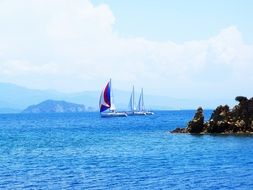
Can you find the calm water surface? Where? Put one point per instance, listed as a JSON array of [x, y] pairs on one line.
[[84, 151]]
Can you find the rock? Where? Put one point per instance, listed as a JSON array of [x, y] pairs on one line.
[[220, 113], [179, 130], [242, 124], [219, 120], [241, 98], [223, 120], [197, 124]]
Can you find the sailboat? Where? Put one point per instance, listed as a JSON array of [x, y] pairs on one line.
[[106, 103], [132, 107], [141, 106]]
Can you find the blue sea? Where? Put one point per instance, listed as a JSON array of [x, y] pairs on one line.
[[84, 151]]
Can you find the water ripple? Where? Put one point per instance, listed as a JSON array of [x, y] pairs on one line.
[[83, 151]]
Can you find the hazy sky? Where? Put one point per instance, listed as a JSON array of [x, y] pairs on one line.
[[186, 49]]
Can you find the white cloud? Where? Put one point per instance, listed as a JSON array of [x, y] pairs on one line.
[[72, 45]]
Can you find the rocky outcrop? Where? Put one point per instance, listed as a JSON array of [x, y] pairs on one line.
[[196, 125], [238, 120]]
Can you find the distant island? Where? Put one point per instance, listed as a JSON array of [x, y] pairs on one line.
[[54, 106], [239, 120]]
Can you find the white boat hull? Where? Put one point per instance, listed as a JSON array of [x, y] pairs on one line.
[[149, 113], [136, 113], [114, 114]]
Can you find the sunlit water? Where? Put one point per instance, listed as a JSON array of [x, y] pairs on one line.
[[84, 151]]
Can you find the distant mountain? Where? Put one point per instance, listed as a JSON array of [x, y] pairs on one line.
[[53, 106], [14, 97]]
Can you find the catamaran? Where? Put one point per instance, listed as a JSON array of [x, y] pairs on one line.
[[132, 107], [106, 103]]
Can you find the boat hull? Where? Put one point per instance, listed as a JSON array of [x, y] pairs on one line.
[[149, 113], [114, 114], [137, 113]]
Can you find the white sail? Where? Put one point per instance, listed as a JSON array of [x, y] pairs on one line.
[[100, 99], [131, 105], [113, 107], [141, 106]]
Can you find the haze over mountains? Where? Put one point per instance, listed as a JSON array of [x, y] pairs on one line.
[[14, 98], [56, 106]]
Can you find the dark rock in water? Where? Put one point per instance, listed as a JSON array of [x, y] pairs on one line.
[[218, 122], [196, 125], [179, 130], [223, 120], [53, 106]]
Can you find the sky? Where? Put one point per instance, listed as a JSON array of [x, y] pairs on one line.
[[195, 49]]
